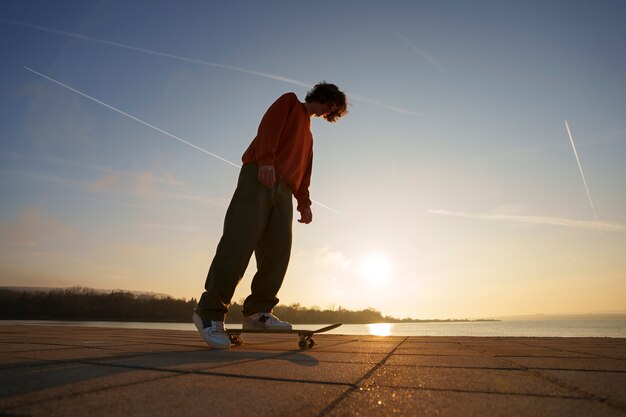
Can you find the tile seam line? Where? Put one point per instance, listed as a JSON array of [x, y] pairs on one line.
[[283, 356], [89, 391], [538, 372], [98, 362], [131, 355], [566, 350], [354, 387], [470, 391], [119, 365], [517, 368], [606, 400], [181, 372], [452, 367], [175, 373]]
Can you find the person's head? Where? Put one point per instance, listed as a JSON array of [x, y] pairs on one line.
[[330, 103]]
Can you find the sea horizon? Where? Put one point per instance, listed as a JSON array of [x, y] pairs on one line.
[[612, 327]]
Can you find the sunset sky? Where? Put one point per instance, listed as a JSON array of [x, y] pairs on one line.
[[453, 185]]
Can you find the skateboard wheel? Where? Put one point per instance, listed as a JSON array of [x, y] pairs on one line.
[[235, 339], [311, 343], [302, 344]]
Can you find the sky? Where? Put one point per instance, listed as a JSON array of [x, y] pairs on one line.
[[479, 173]]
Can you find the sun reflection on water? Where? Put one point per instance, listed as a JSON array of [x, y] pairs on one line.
[[380, 329]]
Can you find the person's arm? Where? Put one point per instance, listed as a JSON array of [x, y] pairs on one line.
[[302, 195]]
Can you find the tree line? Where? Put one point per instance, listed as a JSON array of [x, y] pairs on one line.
[[79, 303]]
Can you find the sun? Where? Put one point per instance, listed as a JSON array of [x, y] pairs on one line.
[[375, 266]]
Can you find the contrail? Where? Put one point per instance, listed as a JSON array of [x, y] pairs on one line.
[[158, 53], [424, 54], [115, 109], [205, 63], [595, 215], [108, 106], [551, 221]]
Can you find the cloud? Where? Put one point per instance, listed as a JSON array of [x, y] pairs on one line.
[[551, 221], [114, 185], [138, 183], [109, 175], [33, 228]]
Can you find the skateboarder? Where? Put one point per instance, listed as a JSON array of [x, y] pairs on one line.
[[276, 165]]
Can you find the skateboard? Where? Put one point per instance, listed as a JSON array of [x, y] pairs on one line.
[[306, 336]]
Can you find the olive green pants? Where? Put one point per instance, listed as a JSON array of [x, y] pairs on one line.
[[259, 220]]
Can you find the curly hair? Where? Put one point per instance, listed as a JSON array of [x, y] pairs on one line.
[[329, 93]]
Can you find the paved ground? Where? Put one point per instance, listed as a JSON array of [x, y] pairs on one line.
[[83, 371]]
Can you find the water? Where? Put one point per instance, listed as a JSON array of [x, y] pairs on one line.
[[527, 328]]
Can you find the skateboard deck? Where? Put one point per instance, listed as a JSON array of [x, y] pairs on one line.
[[306, 336]]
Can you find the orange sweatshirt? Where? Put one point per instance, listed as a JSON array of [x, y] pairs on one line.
[[284, 140]]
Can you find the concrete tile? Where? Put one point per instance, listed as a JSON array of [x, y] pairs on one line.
[[480, 380], [425, 403], [377, 339], [152, 347], [299, 370], [539, 353], [590, 364], [9, 360], [28, 347], [430, 351], [188, 361], [49, 340], [611, 385], [463, 361], [432, 339], [410, 344], [30, 384], [131, 371], [569, 343], [339, 357], [68, 354], [359, 347], [617, 352], [194, 395]]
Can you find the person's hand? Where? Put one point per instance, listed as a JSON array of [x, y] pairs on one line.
[[267, 175], [306, 216]]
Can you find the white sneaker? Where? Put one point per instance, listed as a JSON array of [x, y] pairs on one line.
[[264, 321], [214, 335]]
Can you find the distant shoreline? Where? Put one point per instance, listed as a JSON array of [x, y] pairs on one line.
[[519, 328], [228, 321], [86, 304]]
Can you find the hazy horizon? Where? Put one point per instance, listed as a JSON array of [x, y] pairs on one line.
[[537, 315], [480, 171]]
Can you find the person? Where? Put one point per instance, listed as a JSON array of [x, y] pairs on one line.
[[276, 166]]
